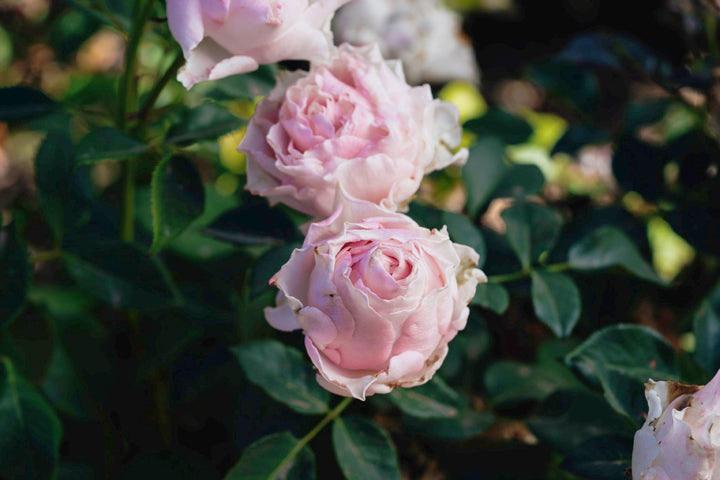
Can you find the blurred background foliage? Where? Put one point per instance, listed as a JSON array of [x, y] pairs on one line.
[[134, 268]]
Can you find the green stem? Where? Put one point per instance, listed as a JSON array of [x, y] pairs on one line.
[[331, 415], [513, 277], [45, 256], [128, 226], [144, 114]]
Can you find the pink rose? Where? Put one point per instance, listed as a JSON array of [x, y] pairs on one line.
[[226, 37], [680, 439], [353, 121], [377, 296]]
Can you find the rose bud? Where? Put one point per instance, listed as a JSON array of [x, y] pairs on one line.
[[377, 296], [220, 38], [680, 439], [354, 122], [426, 36]]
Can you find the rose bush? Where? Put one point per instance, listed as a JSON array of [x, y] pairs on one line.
[[353, 121], [680, 439], [377, 296], [426, 36], [226, 37]]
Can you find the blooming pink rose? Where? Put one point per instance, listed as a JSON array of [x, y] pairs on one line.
[[225, 37], [353, 121], [377, 296], [680, 439]]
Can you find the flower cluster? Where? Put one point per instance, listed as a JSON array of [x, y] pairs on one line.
[[348, 142]]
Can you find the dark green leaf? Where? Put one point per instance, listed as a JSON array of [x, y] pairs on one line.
[[609, 247], [178, 198], [466, 424], [256, 224], [284, 375], [120, 274], [492, 296], [556, 300], [706, 326], [460, 228], [498, 123], [269, 459], [205, 122], [30, 432], [431, 400], [23, 103], [247, 86], [577, 86], [64, 387], [483, 172], [531, 230], [509, 383], [363, 451], [268, 265], [108, 144], [566, 419], [14, 274], [578, 136], [64, 191], [622, 358], [520, 181], [601, 458]]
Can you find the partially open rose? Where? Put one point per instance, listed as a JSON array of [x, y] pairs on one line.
[[680, 439], [377, 296], [226, 37], [354, 122]]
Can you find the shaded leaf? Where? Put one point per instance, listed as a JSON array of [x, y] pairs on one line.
[[30, 432], [270, 459], [268, 265], [578, 136], [255, 224], [14, 274], [120, 274], [24, 103], [520, 181], [601, 458], [531, 229], [466, 424], [284, 375], [509, 383], [108, 144], [577, 86], [556, 300], [63, 386], [460, 228], [483, 172], [178, 198], [364, 451], [500, 124], [706, 327], [492, 296], [205, 122], [609, 247], [431, 400]]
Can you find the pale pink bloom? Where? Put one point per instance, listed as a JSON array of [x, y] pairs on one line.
[[226, 37], [680, 439], [353, 121], [377, 296], [426, 36]]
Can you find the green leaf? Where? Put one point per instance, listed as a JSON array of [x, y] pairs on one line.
[[531, 230], [108, 144], [23, 103], [520, 181], [468, 423], [30, 432], [364, 451], [577, 86], [568, 418], [14, 274], [268, 265], [247, 86], [64, 191], [178, 198], [706, 327], [120, 274], [622, 358], [498, 123], [205, 122], [483, 172], [431, 400], [609, 247], [492, 296], [274, 458], [601, 458], [254, 224], [578, 136], [284, 375], [63, 386], [556, 300], [509, 383]]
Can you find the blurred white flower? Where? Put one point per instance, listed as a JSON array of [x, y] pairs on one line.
[[427, 37]]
